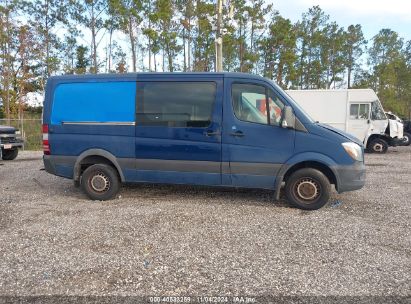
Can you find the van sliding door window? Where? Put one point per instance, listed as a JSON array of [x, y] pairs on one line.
[[255, 103], [175, 104]]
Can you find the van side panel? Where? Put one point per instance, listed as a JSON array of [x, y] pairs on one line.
[[173, 152], [92, 115]]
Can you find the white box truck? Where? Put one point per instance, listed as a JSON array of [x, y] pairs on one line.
[[355, 111]]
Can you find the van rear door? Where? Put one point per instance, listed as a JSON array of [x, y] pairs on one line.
[[255, 146], [178, 129]]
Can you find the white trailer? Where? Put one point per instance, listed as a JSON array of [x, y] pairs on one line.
[[355, 111]]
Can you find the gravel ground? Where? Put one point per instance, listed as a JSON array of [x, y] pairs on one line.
[[180, 240]]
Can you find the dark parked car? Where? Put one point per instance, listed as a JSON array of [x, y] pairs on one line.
[[10, 142]]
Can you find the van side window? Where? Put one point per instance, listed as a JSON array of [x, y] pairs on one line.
[[275, 108], [175, 104], [359, 111], [105, 101], [255, 103]]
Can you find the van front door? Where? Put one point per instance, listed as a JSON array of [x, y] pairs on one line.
[[255, 146], [178, 130], [359, 120]]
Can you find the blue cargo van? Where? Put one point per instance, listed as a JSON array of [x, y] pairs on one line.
[[214, 129]]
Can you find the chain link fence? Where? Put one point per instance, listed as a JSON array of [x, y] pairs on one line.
[[30, 131]]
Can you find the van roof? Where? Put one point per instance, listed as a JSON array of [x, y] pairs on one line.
[[130, 76]]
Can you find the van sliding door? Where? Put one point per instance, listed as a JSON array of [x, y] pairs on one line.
[[178, 130]]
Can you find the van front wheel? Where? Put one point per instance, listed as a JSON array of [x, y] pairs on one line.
[[100, 182], [10, 154], [308, 189], [378, 145]]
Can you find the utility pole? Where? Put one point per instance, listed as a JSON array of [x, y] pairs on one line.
[[219, 38]]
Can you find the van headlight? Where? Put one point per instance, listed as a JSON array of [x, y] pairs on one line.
[[353, 150]]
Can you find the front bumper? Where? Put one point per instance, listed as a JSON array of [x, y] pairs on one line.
[[18, 143], [393, 142], [351, 177]]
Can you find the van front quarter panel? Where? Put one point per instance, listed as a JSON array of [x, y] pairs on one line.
[[322, 149]]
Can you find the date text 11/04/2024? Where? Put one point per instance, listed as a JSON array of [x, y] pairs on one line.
[[202, 299]]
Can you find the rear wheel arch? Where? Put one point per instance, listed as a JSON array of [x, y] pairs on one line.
[[375, 136], [92, 157]]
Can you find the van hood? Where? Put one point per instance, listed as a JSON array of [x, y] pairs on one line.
[[342, 133], [7, 130]]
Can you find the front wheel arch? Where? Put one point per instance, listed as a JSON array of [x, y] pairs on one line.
[[324, 169], [380, 142], [287, 170]]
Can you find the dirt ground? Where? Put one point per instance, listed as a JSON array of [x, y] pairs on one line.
[[180, 240]]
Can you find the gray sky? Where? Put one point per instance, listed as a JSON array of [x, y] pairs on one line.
[[373, 15]]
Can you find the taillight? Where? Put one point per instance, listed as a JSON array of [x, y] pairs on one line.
[[46, 145]]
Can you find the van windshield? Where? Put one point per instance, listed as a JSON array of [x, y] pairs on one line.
[[377, 112]]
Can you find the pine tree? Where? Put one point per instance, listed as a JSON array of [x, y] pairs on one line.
[[354, 43]]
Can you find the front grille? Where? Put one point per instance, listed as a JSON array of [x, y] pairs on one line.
[[8, 140]]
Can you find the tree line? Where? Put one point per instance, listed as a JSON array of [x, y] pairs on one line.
[[40, 38]]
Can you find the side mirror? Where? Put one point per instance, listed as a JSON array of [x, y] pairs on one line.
[[288, 119]]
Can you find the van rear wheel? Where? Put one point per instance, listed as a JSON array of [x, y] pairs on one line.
[[308, 189], [100, 182]]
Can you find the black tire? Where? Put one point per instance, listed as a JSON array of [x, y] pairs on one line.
[[308, 189], [406, 139], [105, 185], [378, 145], [10, 154]]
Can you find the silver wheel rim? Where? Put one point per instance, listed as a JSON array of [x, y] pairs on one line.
[[100, 182], [307, 189], [405, 139], [378, 147]]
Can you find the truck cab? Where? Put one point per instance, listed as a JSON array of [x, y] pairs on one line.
[[216, 129], [10, 142], [355, 111]]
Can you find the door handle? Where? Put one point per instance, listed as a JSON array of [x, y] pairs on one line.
[[211, 133], [237, 134]]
